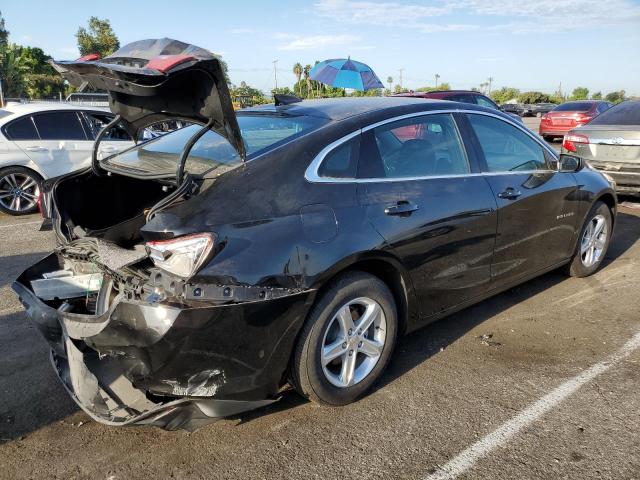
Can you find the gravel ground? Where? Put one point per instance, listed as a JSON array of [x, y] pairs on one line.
[[449, 386]]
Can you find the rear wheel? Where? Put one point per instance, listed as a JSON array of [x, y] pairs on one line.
[[548, 138], [347, 340], [19, 191], [593, 243]]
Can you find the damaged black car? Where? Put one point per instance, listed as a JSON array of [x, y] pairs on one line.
[[200, 273]]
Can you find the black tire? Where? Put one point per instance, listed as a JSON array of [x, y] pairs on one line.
[[22, 173], [307, 375], [577, 266], [548, 138]]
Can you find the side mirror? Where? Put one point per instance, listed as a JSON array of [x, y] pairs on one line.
[[569, 163]]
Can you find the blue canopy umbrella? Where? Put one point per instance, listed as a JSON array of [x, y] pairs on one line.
[[345, 73]]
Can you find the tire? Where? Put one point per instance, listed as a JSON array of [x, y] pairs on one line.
[[323, 382], [19, 190], [582, 265]]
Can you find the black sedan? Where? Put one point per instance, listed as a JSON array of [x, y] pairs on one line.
[[201, 272]]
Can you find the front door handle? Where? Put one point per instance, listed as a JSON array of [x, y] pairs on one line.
[[510, 194], [403, 208], [35, 148]]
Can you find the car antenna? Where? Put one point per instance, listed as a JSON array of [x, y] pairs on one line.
[[281, 99]]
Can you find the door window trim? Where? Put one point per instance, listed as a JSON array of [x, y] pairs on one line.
[[32, 116], [311, 173]]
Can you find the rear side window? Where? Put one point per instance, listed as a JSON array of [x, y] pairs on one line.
[[573, 107], [505, 147], [414, 147], [626, 113], [485, 102], [22, 129], [98, 121], [59, 126], [341, 162]]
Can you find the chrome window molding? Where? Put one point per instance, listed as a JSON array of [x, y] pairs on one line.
[[311, 174]]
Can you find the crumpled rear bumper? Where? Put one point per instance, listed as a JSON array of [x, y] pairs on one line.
[[168, 365]]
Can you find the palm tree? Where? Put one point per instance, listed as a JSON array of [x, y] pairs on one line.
[[390, 82], [305, 71], [437, 78], [297, 71]]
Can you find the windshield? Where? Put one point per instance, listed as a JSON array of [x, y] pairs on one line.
[[212, 153], [573, 107], [627, 113]]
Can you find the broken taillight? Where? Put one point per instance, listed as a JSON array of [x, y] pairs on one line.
[[92, 57], [181, 256], [569, 141]]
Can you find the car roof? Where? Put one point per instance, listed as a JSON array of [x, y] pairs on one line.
[[27, 108], [436, 93], [341, 108]]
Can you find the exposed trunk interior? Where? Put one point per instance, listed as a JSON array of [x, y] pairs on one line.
[[109, 207]]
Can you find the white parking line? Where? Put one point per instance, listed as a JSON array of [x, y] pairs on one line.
[[18, 224], [467, 458]]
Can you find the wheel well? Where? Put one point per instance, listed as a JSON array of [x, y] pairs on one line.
[[391, 276], [22, 167], [610, 201]]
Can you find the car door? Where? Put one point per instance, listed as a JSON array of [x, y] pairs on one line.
[[426, 198], [62, 143], [537, 205]]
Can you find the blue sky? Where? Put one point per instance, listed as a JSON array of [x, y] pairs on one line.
[[531, 45]]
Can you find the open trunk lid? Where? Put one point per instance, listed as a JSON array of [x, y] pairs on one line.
[[154, 80]]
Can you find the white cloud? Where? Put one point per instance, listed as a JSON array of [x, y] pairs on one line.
[[319, 41], [515, 16]]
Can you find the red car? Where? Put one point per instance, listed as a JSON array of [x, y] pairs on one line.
[[570, 115]]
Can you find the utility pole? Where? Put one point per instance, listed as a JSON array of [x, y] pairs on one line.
[[275, 73], [437, 77], [490, 79], [400, 70]]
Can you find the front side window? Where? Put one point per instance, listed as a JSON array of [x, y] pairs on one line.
[[415, 147], [505, 147], [59, 126], [22, 129]]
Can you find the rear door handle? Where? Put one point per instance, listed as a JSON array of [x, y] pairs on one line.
[[402, 208], [510, 194], [34, 148]]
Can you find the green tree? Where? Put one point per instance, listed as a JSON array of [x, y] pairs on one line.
[[533, 97], [297, 71], [390, 81], [99, 38], [597, 96], [307, 79], [4, 34], [12, 71], [579, 93], [246, 95], [616, 97], [441, 86], [505, 94]]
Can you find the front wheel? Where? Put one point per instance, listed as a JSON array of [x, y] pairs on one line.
[[347, 340], [19, 191], [593, 243]]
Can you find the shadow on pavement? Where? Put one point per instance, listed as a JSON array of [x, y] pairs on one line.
[[12, 266]]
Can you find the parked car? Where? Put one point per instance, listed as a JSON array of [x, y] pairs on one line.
[[44, 140], [515, 108], [200, 272], [539, 109], [464, 96], [570, 115], [611, 143]]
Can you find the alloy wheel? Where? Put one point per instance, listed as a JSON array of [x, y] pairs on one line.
[[353, 342], [18, 192], [594, 240]]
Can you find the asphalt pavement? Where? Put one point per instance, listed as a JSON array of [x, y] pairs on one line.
[[539, 382]]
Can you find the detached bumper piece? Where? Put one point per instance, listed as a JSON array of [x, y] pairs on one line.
[[120, 403], [171, 364]]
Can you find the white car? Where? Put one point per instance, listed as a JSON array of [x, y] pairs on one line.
[[44, 140]]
